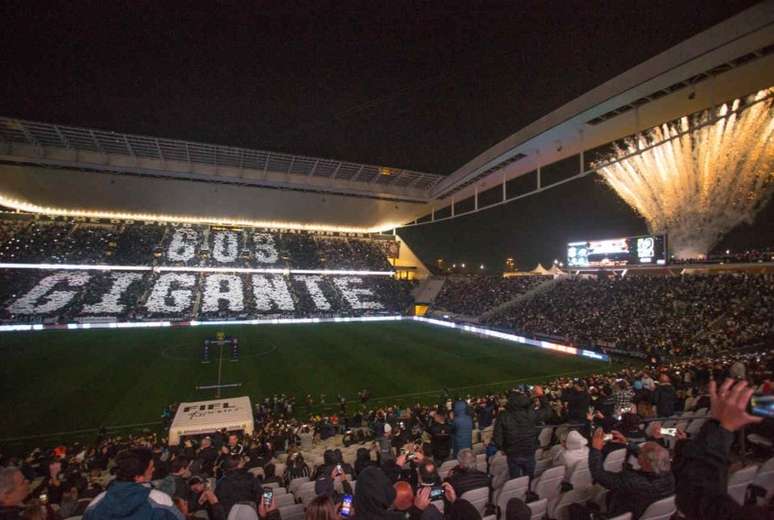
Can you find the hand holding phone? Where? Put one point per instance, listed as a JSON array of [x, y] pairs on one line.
[[268, 495], [346, 506]]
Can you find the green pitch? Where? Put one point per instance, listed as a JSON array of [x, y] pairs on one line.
[[60, 381]]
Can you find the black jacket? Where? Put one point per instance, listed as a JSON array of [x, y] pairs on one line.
[[515, 431], [664, 398], [464, 480], [440, 440], [631, 491], [578, 403], [238, 485], [701, 469]]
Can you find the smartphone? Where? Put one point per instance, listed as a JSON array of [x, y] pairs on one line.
[[436, 493], [346, 506], [669, 431], [43, 499], [268, 494], [338, 468], [763, 405], [607, 437]]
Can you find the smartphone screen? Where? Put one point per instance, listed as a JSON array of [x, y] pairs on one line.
[[346, 505], [268, 493], [436, 493], [669, 431], [763, 405], [607, 437]]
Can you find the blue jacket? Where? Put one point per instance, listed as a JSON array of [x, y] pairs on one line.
[[462, 428], [131, 501]]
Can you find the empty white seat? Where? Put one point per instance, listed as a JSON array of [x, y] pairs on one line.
[[481, 462], [446, 467], [576, 496], [661, 510], [478, 498], [739, 481], [538, 509], [514, 488], [615, 460], [284, 500], [296, 482], [273, 485], [242, 512], [765, 479], [544, 437], [625, 516], [580, 478], [294, 512], [549, 483], [279, 490]]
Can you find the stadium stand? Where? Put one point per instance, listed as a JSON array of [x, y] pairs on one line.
[[349, 449], [474, 295]]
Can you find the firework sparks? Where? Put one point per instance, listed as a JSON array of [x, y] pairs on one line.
[[699, 177]]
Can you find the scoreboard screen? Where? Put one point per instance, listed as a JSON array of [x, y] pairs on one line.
[[618, 252]]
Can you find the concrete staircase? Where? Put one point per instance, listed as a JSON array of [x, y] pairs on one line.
[[541, 288], [428, 289]]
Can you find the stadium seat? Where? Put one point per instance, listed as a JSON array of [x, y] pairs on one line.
[[273, 485], [201, 514], [538, 509], [514, 488], [294, 512], [661, 510], [765, 480], [279, 490], [478, 498], [242, 512], [438, 505], [295, 483], [545, 435], [490, 517], [279, 469], [739, 481], [446, 467], [625, 516], [562, 509], [580, 477], [481, 462], [284, 500], [694, 427], [615, 460], [548, 484], [478, 448]]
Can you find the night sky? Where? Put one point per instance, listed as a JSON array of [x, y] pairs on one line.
[[409, 84]]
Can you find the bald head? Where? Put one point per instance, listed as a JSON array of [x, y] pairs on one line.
[[654, 458]]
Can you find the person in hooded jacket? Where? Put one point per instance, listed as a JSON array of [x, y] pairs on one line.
[[461, 428], [574, 450], [374, 496], [129, 496], [515, 431]]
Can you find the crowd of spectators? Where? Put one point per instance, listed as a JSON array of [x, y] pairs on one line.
[[139, 296], [399, 456], [82, 241], [660, 314], [472, 295]]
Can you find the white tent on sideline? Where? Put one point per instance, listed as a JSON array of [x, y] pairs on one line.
[[540, 270], [202, 417]]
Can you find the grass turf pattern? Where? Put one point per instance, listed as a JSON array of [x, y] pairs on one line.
[[59, 381]]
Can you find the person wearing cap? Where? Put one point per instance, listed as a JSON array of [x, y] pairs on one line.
[[384, 444]]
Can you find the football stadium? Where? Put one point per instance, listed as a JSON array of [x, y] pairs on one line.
[[411, 262]]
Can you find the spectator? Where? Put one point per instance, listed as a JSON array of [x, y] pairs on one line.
[[577, 401], [440, 436], [701, 466], [127, 497], [321, 508], [461, 427], [174, 484], [237, 484], [362, 460], [465, 476], [516, 509], [207, 456], [633, 491], [374, 496], [14, 488], [664, 397], [515, 431], [574, 450], [201, 498]]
